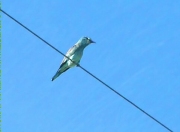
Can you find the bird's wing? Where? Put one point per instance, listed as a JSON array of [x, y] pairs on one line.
[[68, 54]]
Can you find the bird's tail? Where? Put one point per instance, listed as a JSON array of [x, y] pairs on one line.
[[55, 76], [59, 72]]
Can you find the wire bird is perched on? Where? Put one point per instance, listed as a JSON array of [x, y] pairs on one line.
[[75, 53]]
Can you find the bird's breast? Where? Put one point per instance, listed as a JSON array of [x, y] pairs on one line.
[[76, 57]]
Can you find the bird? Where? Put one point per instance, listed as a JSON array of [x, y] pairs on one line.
[[74, 55]]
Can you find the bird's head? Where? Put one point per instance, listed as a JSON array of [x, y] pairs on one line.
[[86, 41]]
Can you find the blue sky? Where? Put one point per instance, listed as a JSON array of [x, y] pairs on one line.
[[136, 52]]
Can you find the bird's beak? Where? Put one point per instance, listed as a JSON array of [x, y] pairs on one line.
[[92, 41]]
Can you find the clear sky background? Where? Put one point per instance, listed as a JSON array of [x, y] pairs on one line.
[[137, 52]]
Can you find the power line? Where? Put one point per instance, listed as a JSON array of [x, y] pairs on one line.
[[89, 72]]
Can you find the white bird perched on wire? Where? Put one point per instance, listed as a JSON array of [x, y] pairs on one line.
[[74, 55]]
